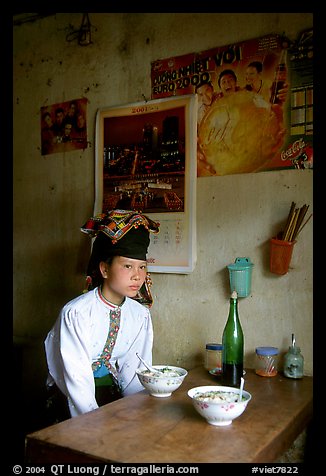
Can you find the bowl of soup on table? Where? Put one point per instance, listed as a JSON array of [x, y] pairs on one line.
[[218, 404], [164, 381]]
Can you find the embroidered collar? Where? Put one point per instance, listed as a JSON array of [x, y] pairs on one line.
[[107, 302], [114, 326]]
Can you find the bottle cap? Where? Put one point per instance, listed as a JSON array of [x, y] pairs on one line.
[[213, 346], [266, 350]]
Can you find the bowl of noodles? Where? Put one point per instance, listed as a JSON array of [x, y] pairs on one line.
[[164, 382], [218, 404]]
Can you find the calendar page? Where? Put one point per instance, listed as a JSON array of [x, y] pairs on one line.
[[146, 161]]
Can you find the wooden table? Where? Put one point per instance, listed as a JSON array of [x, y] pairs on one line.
[[145, 429]]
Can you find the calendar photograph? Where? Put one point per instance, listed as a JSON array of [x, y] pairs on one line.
[[146, 161]]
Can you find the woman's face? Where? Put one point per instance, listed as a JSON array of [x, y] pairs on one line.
[[124, 277]]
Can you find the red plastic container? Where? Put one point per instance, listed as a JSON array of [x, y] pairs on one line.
[[280, 255]]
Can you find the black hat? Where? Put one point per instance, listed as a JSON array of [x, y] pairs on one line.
[[118, 233]]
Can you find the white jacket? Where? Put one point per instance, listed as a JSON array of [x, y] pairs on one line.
[[77, 339]]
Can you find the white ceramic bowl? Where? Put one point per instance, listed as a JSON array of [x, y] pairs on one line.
[[217, 412], [161, 386]]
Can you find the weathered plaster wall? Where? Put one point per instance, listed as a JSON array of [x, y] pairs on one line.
[[236, 215]]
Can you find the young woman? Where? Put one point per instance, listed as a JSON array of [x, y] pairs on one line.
[[91, 349]]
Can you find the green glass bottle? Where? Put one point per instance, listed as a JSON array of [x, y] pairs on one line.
[[233, 346]]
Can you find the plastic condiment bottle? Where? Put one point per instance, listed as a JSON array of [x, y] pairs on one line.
[[213, 358], [293, 361], [266, 361], [233, 346]]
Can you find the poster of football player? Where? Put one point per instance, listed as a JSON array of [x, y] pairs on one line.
[[254, 112]]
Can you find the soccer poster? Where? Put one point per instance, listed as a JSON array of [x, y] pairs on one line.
[[255, 103]]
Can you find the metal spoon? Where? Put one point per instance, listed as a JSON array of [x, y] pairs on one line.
[[241, 388], [149, 367]]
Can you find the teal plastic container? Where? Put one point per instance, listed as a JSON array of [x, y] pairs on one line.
[[240, 273]]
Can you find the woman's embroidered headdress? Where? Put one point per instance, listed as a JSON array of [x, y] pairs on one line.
[[117, 233]]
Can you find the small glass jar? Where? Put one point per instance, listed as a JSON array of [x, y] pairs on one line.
[[213, 360], [293, 363], [266, 361]]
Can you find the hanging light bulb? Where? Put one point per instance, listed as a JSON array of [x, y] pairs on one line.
[[84, 34]]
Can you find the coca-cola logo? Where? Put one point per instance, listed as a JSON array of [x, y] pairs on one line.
[[294, 150]]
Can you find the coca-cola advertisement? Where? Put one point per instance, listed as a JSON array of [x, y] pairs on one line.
[[255, 103]]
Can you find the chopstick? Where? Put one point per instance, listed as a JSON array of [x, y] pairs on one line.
[[305, 223], [294, 221], [302, 213], [289, 220]]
